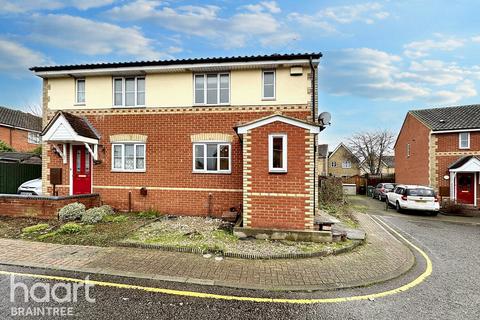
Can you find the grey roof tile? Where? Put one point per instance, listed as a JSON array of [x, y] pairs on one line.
[[450, 118], [20, 119]]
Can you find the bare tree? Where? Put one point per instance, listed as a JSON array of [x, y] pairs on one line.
[[371, 148]]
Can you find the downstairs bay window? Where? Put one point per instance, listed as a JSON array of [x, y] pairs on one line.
[[128, 157], [211, 157]]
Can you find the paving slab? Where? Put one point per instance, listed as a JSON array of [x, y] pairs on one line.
[[381, 258]]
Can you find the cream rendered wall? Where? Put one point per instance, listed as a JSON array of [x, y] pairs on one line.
[[176, 90]]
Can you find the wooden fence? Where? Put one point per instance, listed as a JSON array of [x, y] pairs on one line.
[[369, 180], [12, 175]]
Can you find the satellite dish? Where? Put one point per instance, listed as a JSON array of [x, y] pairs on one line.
[[324, 118]]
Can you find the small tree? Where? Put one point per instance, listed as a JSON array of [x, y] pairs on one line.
[[372, 147], [5, 147]]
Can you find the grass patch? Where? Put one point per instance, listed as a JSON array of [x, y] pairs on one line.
[[115, 218], [343, 212], [149, 214]]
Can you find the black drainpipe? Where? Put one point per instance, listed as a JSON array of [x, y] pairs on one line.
[[312, 68]]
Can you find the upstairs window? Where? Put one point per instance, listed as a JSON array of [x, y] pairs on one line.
[[464, 140], [334, 164], [80, 91], [128, 157], [129, 92], [268, 85], [212, 88], [347, 164], [211, 157], [34, 138], [277, 153]]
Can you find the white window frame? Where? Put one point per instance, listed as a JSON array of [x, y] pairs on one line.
[[77, 102], [284, 155], [460, 140], [135, 144], [346, 164], [204, 103], [123, 92], [274, 85], [204, 144], [36, 140]]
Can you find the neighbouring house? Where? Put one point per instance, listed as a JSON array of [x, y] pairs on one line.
[[387, 166], [322, 161], [440, 148], [192, 136], [343, 163], [20, 130]]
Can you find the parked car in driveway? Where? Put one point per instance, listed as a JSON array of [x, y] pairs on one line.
[[381, 190], [31, 187], [413, 197]]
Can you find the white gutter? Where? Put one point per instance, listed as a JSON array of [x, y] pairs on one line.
[[455, 130], [19, 128], [174, 67]]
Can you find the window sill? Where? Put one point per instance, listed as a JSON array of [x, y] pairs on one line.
[[212, 105], [128, 107], [80, 104], [277, 171], [268, 99], [464, 148], [129, 171], [212, 172]]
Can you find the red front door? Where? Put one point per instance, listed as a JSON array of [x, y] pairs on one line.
[[465, 188], [82, 170]]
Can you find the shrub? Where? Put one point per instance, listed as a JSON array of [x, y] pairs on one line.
[[120, 218], [149, 214], [453, 208], [107, 209], [36, 228], [72, 211], [93, 215], [5, 147], [69, 228], [330, 191]]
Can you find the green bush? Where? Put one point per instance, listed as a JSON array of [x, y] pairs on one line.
[[36, 228], [72, 211], [330, 191], [5, 147], [93, 215], [69, 228], [149, 214], [120, 218], [107, 209], [38, 150]]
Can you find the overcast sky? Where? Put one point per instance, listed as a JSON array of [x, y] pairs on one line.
[[381, 58]]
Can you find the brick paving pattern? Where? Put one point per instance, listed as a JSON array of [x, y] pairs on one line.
[[381, 258]]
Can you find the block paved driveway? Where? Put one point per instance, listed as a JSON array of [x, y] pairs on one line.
[[381, 258]]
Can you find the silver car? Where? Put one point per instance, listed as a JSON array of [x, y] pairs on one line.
[[31, 187]]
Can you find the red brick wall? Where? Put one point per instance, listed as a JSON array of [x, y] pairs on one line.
[[168, 162], [413, 169], [17, 139], [41, 208], [448, 142], [281, 212]]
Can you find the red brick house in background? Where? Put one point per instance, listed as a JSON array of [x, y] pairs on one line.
[[440, 148], [20, 130], [192, 136]]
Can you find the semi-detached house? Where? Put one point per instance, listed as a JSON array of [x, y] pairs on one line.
[[192, 136]]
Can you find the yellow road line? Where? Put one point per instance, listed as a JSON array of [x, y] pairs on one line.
[[415, 282]]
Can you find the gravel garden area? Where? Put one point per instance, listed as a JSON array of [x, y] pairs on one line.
[[209, 235]]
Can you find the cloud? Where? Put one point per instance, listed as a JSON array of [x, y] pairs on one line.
[[378, 75], [419, 49], [90, 37], [328, 18], [251, 23], [21, 6], [15, 59]]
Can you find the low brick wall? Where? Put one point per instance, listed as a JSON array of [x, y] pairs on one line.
[[41, 207]]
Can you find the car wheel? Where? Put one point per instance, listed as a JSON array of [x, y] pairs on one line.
[[434, 213], [380, 197], [397, 206]]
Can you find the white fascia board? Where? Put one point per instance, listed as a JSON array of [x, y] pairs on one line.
[[456, 130], [472, 165], [19, 128], [173, 67], [312, 128]]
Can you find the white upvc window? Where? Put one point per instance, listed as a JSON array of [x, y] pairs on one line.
[[212, 157], [277, 152], [346, 164], [211, 89], [129, 92], [80, 91], [128, 157], [268, 85], [464, 140], [34, 137]]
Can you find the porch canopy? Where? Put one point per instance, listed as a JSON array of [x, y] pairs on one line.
[[464, 165], [67, 128]]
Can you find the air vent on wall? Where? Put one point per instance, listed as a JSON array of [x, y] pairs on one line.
[[296, 71]]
